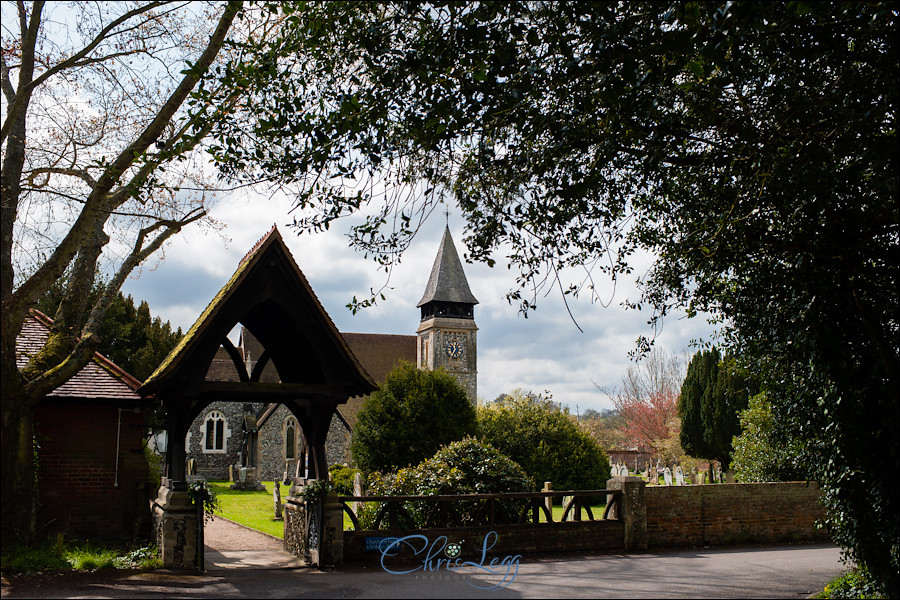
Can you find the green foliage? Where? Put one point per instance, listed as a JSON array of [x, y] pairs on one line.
[[79, 556], [857, 583], [200, 491], [545, 440], [712, 395], [467, 466], [759, 453], [342, 478], [414, 413], [761, 176], [129, 335]]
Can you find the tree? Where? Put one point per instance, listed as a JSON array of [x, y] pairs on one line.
[[97, 166], [711, 397], [760, 451], [605, 427], [545, 440], [129, 335], [413, 414], [762, 177], [647, 402]]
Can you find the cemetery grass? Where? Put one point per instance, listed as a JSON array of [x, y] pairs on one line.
[[250, 508]]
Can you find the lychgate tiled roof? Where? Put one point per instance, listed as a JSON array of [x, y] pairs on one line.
[[100, 379]]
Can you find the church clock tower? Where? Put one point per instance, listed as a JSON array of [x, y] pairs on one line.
[[447, 330]]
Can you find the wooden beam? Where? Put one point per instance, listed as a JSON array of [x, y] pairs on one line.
[[255, 391]]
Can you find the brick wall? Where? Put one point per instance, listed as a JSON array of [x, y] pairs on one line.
[[77, 472], [733, 513]]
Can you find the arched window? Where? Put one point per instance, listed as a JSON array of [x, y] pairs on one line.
[[290, 438], [215, 431]]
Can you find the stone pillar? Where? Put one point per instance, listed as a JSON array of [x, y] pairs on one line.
[[295, 524], [176, 526], [331, 553], [633, 510]]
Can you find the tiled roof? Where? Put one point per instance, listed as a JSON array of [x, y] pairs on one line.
[[379, 354], [100, 379], [447, 282]]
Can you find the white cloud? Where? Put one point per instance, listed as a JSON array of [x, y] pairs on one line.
[[546, 351]]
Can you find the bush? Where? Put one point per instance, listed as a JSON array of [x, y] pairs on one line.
[[545, 440], [468, 466], [760, 454], [342, 478], [858, 583], [413, 414]]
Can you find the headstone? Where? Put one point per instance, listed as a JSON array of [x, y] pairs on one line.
[[276, 496], [565, 503], [729, 476], [701, 477], [231, 473], [679, 475], [623, 472], [667, 476], [719, 478], [357, 491]]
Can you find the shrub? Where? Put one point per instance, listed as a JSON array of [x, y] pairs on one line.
[[413, 414], [545, 440], [468, 466], [342, 478]]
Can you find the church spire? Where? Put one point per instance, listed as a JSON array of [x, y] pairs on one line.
[[448, 283]]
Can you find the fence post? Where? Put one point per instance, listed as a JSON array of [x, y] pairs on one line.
[[632, 510], [548, 501]]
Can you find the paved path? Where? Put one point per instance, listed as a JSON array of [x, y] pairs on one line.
[[242, 564]]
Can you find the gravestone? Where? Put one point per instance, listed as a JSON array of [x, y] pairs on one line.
[[623, 472], [276, 497], [679, 475], [565, 503], [701, 477], [667, 476], [357, 491]]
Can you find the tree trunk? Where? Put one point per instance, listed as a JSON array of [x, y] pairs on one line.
[[18, 490]]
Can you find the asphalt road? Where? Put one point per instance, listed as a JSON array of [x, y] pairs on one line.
[[786, 571]]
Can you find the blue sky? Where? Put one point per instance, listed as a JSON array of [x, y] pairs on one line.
[[545, 352]]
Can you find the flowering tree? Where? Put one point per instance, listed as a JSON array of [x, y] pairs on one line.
[[648, 401]]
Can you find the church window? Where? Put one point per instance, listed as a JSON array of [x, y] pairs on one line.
[[215, 432], [290, 438]]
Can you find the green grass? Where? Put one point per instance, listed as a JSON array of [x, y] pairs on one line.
[[253, 509], [77, 556]]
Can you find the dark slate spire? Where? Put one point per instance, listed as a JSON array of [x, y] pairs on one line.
[[447, 283]]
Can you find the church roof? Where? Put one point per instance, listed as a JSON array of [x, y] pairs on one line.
[[101, 380], [448, 280]]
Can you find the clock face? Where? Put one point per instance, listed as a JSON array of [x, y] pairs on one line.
[[454, 349]]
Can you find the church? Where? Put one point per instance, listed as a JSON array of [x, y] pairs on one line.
[[267, 438]]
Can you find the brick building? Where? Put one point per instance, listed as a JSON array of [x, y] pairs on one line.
[[93, 478]]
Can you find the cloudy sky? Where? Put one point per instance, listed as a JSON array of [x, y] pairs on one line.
[[545, 352]]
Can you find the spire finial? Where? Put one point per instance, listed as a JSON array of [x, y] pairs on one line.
[[447, 215]]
